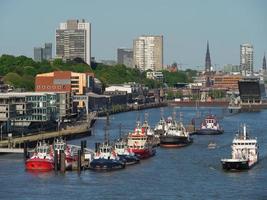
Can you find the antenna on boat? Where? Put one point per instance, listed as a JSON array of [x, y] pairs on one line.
[[146, 116], [174, 115], [162, 113], [106, 135], [181, 116], [120, 131], [108, 122]]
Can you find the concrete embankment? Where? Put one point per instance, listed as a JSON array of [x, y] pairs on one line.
[[199, 103]]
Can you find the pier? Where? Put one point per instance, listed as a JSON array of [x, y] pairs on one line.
[[80, 128]]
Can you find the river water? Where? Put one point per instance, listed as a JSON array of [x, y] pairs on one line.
[[193, 172]]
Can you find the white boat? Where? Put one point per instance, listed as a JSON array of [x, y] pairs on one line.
[[244, 152]]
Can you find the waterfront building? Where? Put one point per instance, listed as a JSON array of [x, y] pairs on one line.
[[229, 82], [155, 75], [231, 69], [125, 57], [73, 40], [64, 81], [246, 59], [148, 52], [41, 53]]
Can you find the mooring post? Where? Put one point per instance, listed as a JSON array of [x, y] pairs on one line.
[[79, 161], [62, 161], [25, 148], [55, 160]]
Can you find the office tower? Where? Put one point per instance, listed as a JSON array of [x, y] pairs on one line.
[[264, 64], [38, 54], [207, 60], [148, 52], [41, 53], [125, 57], [246, 58], [73, 40], [47, 51]]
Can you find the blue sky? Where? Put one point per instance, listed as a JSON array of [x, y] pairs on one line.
[[185, 24]]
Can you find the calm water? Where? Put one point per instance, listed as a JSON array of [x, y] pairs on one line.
[[193, 172]]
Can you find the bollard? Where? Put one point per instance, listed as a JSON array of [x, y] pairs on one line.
[[55, 161], [84, 143], [79, 161], [25, 148], [82, 146], [62, 161]]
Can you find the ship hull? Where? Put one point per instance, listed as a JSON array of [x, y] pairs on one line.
[[106, 164], [174, 141], [144, 153], [159, 132], [208, 132], [235, 165], [37, 164], [129, 159]]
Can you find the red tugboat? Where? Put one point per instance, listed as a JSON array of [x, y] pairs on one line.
[[139, 143], [42, 159]]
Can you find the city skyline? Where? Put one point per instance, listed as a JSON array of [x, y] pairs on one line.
[[185, 25]]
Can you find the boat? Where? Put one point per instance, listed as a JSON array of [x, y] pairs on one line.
[[212, 145], [210, 126], [176, 136], [160, 127], [124, 154], [106, 159], [60, 145], [244, 152], [154, 138], [139, 143], [42, 159]]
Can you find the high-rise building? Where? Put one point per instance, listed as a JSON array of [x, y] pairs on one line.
[[38, 54], [148, 52], [47, 51], [264, 64], [41, 53], [207, 60], [73, 40], [125, 57], [246, 58]]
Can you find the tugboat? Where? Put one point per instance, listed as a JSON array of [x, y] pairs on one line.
[[106, 159], [42, 159], [244, 153], [151, 134], [61, 145], [122, 151], [139, 143], [210, 126], [160, 127], [176, 136]]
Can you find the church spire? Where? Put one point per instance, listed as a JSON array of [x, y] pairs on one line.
[[207, 60], [264, 63]]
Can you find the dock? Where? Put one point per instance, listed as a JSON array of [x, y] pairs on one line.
[[81, 128]]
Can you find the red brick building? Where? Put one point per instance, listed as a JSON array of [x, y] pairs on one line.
[[64, 81]]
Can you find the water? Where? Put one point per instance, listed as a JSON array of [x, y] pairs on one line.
[[193, 172]]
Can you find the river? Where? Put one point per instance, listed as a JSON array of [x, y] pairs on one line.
[[193, 172]]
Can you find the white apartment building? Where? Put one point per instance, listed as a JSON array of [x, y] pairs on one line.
[[148, 52], [73, 39], [246, 58]]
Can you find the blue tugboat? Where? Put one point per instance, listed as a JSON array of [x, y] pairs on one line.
[[122, 151], [210, 126], [106, 159]]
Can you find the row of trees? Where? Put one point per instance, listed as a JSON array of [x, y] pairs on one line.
[[20, 72]]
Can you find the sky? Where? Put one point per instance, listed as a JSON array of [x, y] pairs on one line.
[[186, 25]]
